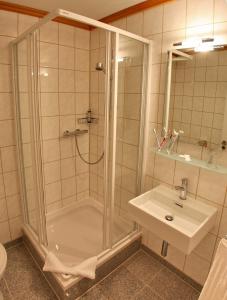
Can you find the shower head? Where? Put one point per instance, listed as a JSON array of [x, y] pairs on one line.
[[99, 67]]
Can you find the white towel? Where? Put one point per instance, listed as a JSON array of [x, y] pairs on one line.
[[215, 287], [86, 268]]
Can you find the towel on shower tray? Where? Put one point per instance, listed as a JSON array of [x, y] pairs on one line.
[[86, 268]]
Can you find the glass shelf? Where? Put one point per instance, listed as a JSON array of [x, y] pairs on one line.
[[193, 162]]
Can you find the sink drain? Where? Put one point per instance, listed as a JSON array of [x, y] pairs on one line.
[[169, 218]]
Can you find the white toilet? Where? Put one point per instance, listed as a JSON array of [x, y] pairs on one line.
[[3, 262]]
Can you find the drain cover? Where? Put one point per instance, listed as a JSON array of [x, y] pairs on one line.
[[169, 218]]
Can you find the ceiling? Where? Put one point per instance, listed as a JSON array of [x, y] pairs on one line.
[[95, 9]]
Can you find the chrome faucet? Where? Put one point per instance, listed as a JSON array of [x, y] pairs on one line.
[[183, 188]]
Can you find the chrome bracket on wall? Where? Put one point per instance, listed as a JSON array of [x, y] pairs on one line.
[[88, 119]]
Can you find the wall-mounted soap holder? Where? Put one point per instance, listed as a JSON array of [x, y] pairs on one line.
[[88, 119]]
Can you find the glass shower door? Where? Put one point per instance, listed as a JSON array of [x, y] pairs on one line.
[[25, 75], [127, 158]]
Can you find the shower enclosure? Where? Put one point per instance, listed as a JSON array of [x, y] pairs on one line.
[[81, 106]]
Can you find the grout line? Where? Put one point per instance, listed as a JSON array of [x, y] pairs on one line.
[[167, 265], [7, 287], [118, 267]]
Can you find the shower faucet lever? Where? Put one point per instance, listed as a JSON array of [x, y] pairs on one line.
[[76, 132]]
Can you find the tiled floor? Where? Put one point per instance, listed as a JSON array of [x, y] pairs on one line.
[[140, 278], [22, 279]]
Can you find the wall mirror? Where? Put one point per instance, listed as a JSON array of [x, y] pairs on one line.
[[195, 118]]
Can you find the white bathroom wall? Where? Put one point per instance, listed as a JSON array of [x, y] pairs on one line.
[[166, 24]]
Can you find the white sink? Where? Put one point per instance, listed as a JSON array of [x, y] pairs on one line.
[[190, 223]]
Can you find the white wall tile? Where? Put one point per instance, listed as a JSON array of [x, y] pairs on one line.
[[4, 49], [49, 32], [67, 103], [53, 192], [197, 268], [25, 22], [6, 106], [68, 187], [199, 12], [49, 104], [13, 206], [7, 133], [82, 60], [82, 82], [50, 127], [164, 169], [9, 159], [82, 40], [51, 150], [48, 55], [52, 171], [8, 23], [66, 35], [205, 248], [5, 82], [220, 11], [15, 227], [66, 57], [4, 232], [3, 210], [11, 183], [214, 192], [153, 19], [135, 23], [66, 81], [49, 80], [172, 20]]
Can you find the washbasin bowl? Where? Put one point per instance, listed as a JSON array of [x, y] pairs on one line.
[[182, 223]]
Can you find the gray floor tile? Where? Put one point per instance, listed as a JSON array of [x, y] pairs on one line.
[[121, 285], [144, 267], [94, 294], [4, 290], [140, 278], [171, 287], [23, 278], [147, 294]]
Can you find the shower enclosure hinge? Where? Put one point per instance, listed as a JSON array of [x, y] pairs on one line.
[[88, 119]]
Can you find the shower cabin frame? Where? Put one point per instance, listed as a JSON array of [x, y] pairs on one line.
[[30, 35]]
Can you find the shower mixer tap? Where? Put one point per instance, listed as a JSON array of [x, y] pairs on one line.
[[76, 132]]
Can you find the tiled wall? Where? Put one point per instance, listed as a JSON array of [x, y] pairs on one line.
[[64, 94], [64, 56], [166, 24], [198, 99]]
